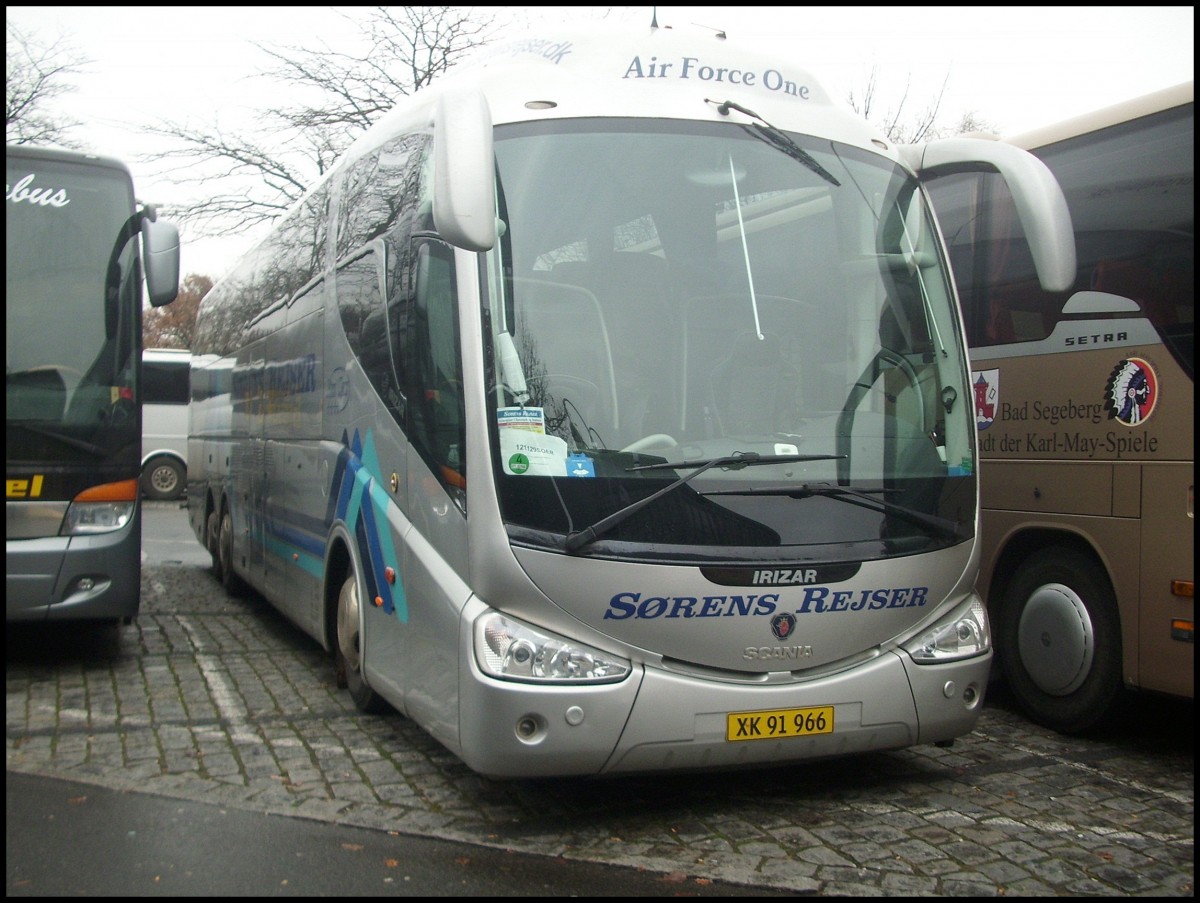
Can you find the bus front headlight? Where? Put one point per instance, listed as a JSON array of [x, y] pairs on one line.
[[964, 634], [510, 650], [96, 517]]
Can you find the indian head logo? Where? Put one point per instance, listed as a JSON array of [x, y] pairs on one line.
[[1132, 392], [987, 392]]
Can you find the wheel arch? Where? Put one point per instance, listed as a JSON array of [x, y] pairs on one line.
[[164, 453], [339, 561], [1019, 545]]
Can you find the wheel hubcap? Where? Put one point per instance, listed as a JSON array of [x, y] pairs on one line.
[[347, 625], [1055, 639], [163, 479]]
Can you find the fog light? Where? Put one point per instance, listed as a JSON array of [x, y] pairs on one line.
[[531, 728]]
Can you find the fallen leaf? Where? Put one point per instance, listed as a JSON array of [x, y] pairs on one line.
[[352, 847]]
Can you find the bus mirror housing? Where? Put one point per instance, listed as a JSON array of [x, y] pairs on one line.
[[464, 193], [1041, 206], [160, 258]]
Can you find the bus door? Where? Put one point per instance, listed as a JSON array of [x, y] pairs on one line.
[[364, 459], [436, 551]]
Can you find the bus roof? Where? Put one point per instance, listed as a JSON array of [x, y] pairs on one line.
[[63, 155], [1175, 96], [653, 72], [166, 354]]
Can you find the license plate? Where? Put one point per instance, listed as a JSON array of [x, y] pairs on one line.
[[779, 723]]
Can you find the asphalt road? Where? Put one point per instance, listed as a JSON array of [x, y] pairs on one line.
[[65, 838], [220, 725]]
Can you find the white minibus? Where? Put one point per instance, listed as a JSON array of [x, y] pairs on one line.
[[165, 394]]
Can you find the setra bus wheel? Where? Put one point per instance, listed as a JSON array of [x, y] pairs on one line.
[[348, 649], [1059, 640]]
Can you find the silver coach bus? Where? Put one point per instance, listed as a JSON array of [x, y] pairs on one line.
[[606, 409]]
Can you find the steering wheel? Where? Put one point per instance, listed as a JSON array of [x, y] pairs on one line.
[[654, 440], [901, 363]]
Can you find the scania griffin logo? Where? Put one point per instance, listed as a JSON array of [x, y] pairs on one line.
[[783, 624]]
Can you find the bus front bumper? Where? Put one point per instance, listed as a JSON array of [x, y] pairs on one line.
[[73, 578], [659, 720]]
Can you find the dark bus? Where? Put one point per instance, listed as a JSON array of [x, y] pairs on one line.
[[73, 300]]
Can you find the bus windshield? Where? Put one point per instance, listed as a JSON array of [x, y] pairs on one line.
[[71, 342], [772, 310]]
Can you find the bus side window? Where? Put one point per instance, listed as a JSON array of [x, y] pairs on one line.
[[437, 426], [367, 326], [1134, 280]]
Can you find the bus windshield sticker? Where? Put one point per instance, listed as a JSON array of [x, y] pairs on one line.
[[526, 453], [580, 466], [532, 419]]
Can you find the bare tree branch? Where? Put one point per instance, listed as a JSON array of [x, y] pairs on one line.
[[902, 129], [37, 76], [253, 178]]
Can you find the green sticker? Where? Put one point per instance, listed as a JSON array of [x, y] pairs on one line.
[[518, 463]]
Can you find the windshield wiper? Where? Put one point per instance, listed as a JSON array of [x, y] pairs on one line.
[[735, 461], [940, 524], [778, 140]]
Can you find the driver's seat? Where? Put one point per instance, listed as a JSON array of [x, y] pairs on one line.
[[755, 390]]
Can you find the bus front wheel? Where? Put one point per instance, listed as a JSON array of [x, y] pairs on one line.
[[162, 479], [349, 648], [1059, 640]]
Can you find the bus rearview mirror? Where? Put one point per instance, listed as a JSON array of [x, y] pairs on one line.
[[464, 197], [1041, 206], [160, 257]]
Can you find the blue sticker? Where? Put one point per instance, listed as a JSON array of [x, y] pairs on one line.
[[580, 466]]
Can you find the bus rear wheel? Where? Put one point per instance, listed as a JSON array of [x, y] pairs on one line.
[[1059, 640], [234, 585], [212, 537], [348, 648]]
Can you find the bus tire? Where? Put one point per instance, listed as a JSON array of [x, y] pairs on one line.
[[1059, 640], [163, 479], [212, 536], [348, 648], [233, 584]]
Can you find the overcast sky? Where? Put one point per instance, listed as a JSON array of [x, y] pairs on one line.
[[1017, 68]]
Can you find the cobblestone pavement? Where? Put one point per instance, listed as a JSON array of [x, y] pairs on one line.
[[219, 700]]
